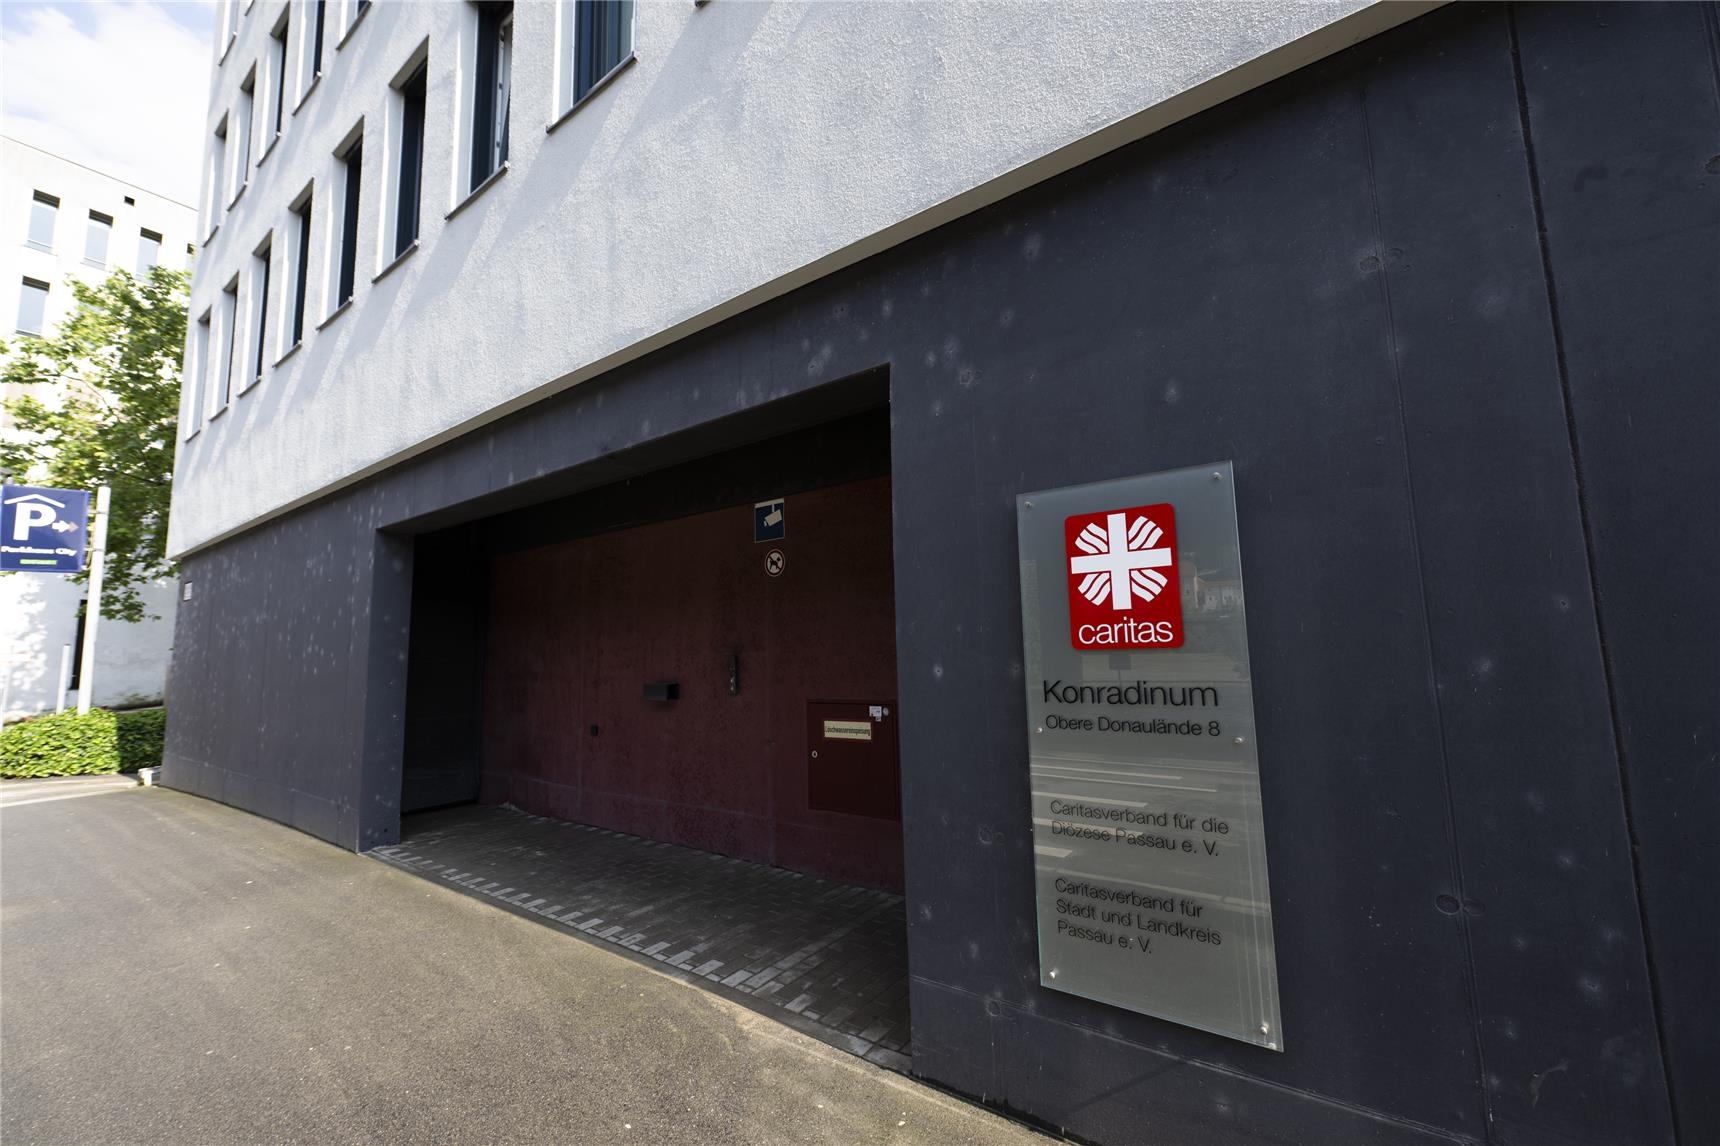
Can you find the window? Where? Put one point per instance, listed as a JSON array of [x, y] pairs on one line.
[[279, 35], [229, 332], [198, 369], [313, 46], [32, 306], [148, 251], [352, 169], [301, 266], [490, 89], [601, 41], [228, 20], [96, 239], [409, 181], [215, 179], [313, 15], [242, 150], [44, 208], [260, 304]]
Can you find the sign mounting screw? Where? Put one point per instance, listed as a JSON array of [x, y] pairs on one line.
[[1027, 504], [1242, 740], [1216, 476]]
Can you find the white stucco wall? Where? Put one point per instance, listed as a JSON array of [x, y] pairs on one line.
[[750, 148], [41, 617], [38, 611]]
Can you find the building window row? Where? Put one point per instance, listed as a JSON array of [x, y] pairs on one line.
[[44, 216], [596, 39], [275, 86], [230, 13], [231, 340]]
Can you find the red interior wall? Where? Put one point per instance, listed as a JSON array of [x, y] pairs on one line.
[[578, 628]]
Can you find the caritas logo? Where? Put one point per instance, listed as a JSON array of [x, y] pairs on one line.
[[1123, 586]]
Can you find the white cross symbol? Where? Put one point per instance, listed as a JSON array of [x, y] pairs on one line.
[[1110, 562]]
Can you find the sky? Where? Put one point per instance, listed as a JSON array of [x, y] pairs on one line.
[[118, 85]]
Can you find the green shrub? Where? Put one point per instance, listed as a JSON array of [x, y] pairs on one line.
[[141, 736], [66, 744]]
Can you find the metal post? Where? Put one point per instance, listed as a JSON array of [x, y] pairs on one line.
[[93, 610], [65, 675]]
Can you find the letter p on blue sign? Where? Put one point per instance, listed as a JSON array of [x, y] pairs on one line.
[[43, 530]]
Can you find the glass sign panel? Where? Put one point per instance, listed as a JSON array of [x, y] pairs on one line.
[[1149, 850]]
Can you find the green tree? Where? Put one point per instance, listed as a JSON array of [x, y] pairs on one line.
[[101, 407]]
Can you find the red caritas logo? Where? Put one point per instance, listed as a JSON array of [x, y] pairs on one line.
[[1123, 586]]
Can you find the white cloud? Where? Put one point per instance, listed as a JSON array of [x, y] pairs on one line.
[[120, 87]]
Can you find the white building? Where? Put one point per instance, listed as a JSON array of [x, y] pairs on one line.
[[517, 326], [735, 152], [60, 220]]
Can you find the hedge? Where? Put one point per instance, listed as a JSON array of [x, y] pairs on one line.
[[66, 744]]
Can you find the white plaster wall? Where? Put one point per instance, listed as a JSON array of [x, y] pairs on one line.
[[749, 149], [40, 612]]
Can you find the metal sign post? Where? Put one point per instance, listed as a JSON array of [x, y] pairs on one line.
[[93, 610]]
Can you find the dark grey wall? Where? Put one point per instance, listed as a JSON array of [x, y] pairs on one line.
[[272, 656], [1629, 192], [1447, 301]]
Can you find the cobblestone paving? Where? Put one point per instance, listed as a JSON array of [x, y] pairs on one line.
[[833, 955]]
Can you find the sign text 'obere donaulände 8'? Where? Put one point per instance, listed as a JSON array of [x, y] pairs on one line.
[[1149, 852]]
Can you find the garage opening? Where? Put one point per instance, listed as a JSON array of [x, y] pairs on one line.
[[662, 713]]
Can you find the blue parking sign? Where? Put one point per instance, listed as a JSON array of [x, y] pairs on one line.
[[43, 530]]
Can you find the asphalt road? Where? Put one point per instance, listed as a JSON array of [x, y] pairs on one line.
[[17, 792], [172, 970]]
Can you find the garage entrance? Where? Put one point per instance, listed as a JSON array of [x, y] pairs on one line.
[[610, 690], [679, 680]]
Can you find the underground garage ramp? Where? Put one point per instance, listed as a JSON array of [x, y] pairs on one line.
[[828, 958], [661, 715]]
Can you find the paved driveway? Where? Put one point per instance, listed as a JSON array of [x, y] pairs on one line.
[[172, 970], [826, 958]]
